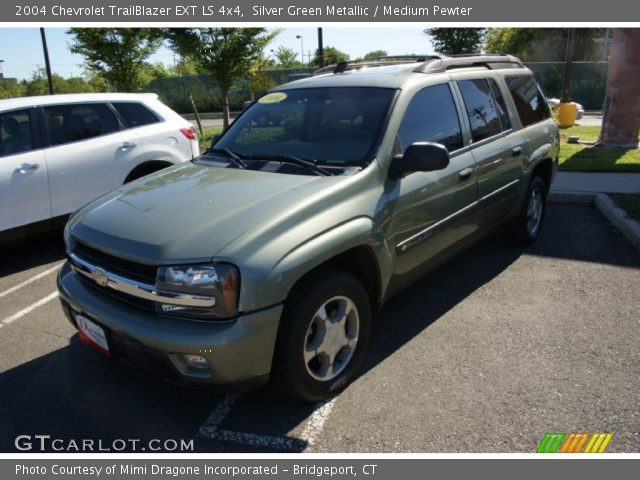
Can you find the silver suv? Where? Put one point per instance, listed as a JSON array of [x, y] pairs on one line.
[[268, 256]]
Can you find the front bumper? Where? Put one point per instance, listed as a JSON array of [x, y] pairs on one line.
[[239, 351]]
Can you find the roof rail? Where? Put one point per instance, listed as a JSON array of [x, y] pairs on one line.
[[374, 62], [490, 61], [429, 63]]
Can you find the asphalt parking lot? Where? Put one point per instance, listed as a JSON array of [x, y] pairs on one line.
[[487, 354]]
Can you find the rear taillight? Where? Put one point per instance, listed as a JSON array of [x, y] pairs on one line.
[[189, 132]]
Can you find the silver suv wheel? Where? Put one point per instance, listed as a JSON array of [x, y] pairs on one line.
[[534, 211], [331, 339]]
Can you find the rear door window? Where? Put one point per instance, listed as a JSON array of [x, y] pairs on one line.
[[481, 108], [530, 102], [135, 114], [503, 113], [15, 133], [72, 123], [431, 117]]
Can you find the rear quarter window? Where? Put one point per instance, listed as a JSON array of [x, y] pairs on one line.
[[530, 102], [135, 114]]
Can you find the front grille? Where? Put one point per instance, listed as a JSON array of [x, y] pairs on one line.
[[130, 299], [118, 265]]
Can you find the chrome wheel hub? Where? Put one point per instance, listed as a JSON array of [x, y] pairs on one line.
[[331, 338], [534, 212]]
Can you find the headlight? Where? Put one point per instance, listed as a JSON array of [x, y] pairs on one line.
[[219, 281]]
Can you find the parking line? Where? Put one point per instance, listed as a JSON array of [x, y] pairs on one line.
[[32, 279], [210, 428], [30, 308], [316, 421]]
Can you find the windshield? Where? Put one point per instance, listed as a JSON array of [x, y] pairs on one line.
[[338, 126]]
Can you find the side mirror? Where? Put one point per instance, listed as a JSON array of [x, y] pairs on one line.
[[419, 157]]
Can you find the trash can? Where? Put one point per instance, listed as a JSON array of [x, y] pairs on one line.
[[567, 114]]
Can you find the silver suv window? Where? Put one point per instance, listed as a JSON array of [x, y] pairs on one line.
[[481, 108], [431, 116], [530, 102], [333, 125]]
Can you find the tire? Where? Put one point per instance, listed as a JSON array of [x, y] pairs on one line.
[[526, 227], [306, 374]]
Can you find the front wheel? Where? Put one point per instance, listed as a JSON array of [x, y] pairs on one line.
[[526, 228], [323, 335]]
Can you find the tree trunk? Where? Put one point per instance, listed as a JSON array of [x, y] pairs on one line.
[[225, 107], [621, 122]]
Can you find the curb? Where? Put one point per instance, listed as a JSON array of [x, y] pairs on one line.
[[570, 197], [607, 207]]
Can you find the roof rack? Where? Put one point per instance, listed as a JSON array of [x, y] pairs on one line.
[[490, 61], [429, 63], [385, 61]]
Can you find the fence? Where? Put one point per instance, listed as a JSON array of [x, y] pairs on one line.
[[588, 82], [175, 91]]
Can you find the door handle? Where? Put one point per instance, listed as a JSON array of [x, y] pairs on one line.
[[516, 152], [127, 145], [27, 167], [466, 173]]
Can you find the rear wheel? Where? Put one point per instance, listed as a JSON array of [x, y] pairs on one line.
[[526, 228], [323, 335]]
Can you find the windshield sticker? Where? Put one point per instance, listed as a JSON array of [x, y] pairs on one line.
[[275, 97]]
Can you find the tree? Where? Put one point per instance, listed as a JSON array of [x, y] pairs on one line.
[[543, 44], [226, 54], [286, 57], [38, 84], [331, 56], [117, 54], [449, 41], [10, 88], [621, 122], [259, 81], [376, 54]]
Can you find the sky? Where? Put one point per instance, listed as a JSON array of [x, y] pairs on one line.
[[21, 48]]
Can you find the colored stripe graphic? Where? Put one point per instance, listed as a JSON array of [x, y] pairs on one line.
[[559, 442], [580, 443], [551, 442]]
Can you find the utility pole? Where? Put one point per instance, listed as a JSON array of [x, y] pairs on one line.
[[320, 49], [46, 60], [299, 37], [568, 60]]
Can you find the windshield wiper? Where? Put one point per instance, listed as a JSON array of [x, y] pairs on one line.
[[230, 155], [310, 165]]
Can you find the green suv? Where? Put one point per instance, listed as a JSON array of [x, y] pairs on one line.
[[269, 255]]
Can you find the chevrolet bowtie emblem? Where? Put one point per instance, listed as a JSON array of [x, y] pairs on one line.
[[100, 277]]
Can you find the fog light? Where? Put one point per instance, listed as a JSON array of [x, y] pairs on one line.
[[196, 361]]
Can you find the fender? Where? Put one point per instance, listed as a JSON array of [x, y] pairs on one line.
[[303, 258]]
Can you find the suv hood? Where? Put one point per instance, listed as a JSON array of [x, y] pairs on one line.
[[189, 212]]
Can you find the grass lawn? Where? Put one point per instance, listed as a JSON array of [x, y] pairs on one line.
[[629, 202], [581, 158], [205, 140]]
